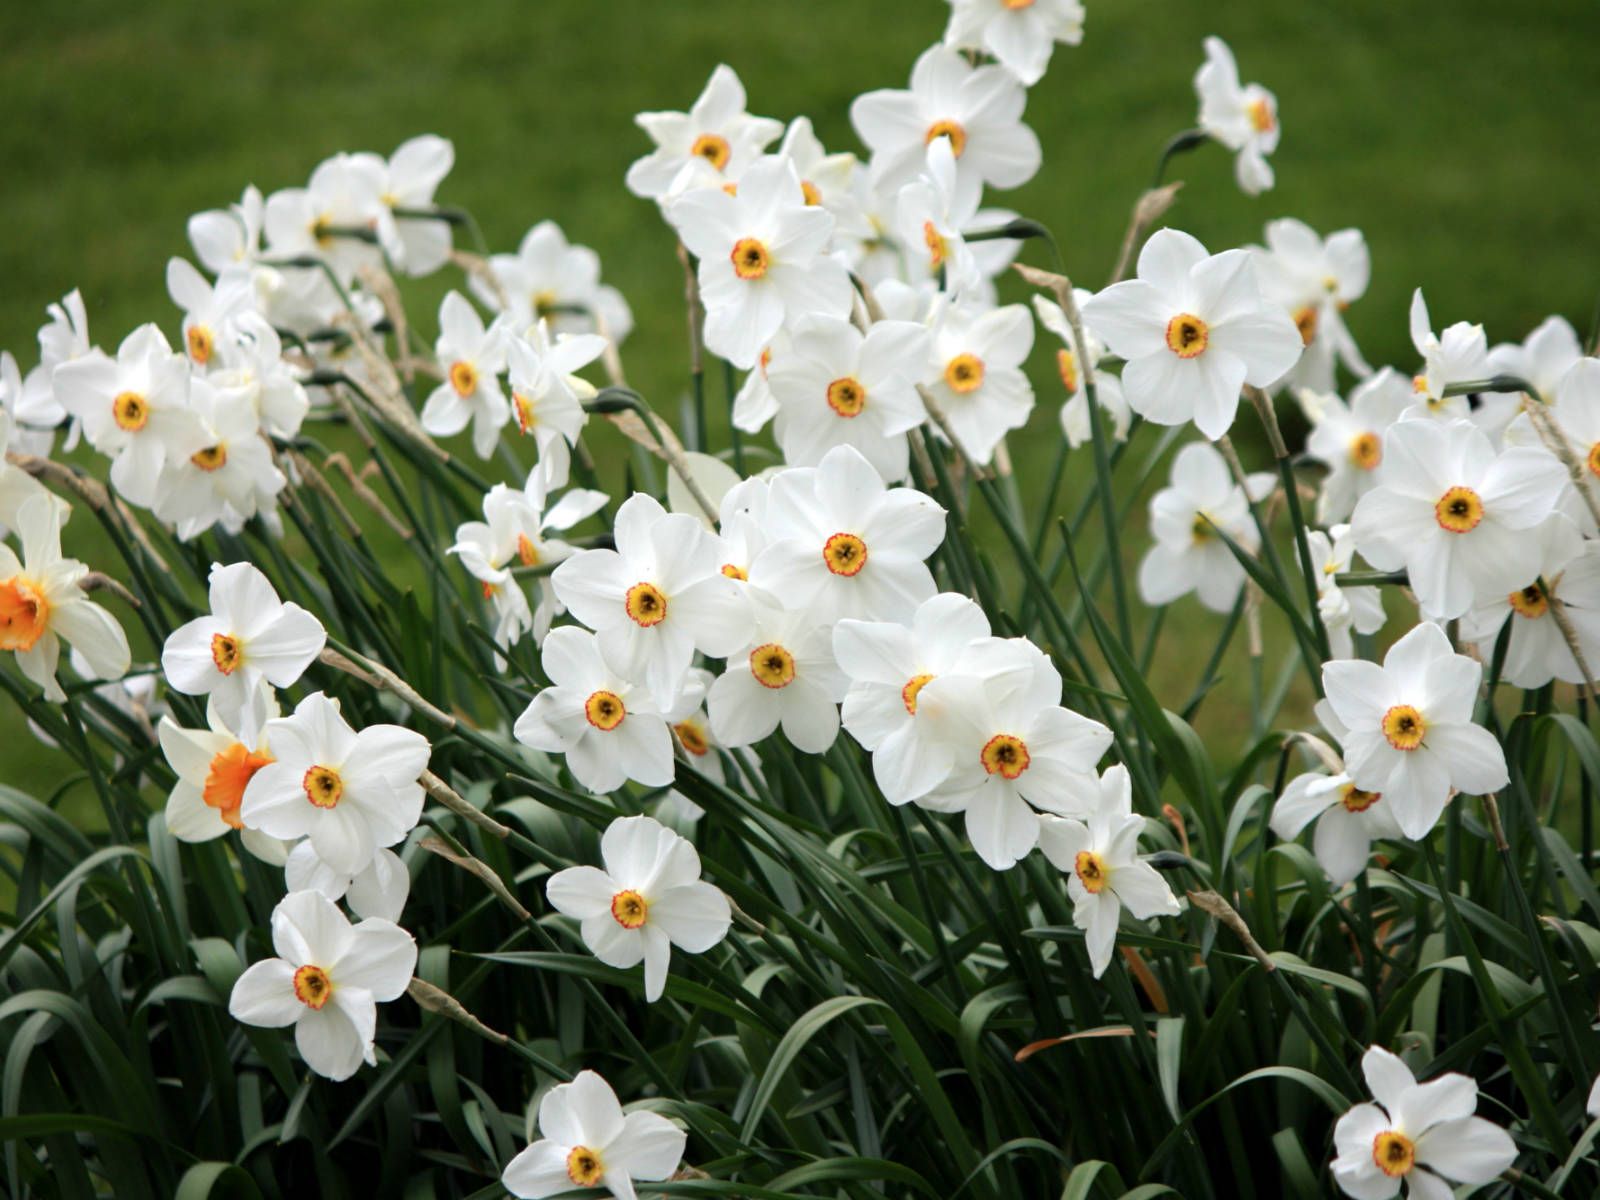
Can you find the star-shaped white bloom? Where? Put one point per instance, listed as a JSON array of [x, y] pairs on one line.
[[417, 245], [1021, 34], [1348, 821], [1185, 520], [1314, 280], [1458, 355], [549, 279], [716, 135], [1344, 610], [786, 676], [471, 358], [1537, 652], [1073, 362], [1244, 119], [976, 369], [1348, 438]]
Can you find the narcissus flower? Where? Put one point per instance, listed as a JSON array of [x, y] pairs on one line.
[[1569, 576], [41, 602], [977, 377], [716, 135], [547, 395], [930, 213], [258, 377], [1343, 609], [785, 676], [228, 480], [249, 636], [17, 487], [379, 889], [1186, 519], [1314, 280], [471, 358], [1104, 871], [978, 108], [657, 598], [350, 793], [417, 245], [1074, 364], [589, 1142], [1420, 1134], [838, 387], [608, 728], [1458, 355], [826, 179], [62, 339], [1020, 33], [888, 665], [548, 279], [1010, 746], [1348, 438], [1456, 515], [1544, 361], [842, 544], [342, 199], [648, 899], [1348, 821], [1244, 119], [327, 981], [1407, 729], [762, 260], [214, 767], [209, 310], [134, 409], [1194, 329]]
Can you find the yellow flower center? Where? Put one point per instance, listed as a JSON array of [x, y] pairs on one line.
[[1393, 1153], [1305, 320], [130, 410], [226, 778], [490, 590], [1419, 384], [692, 737], [713, 148], [964, 373], [1366, 451], [312, 987], [322, 786], [1187, 335], [226, 652], [847, 397], [1355, 800], [809, 190], [24, 613], [1014, 5], [1594, 459], [938, 248], [1004, 755], [1530, 601], [735, 571], [845, 554], [1067, 365], [463, 377], [772, 665], [212, 458], [1202, 530], [750, 258], [584, 1167], [527, 551], [645, 604], [1404, 727], [1261, 115], [604, 710], [543, 302], [201, 344], [525, 408], [1091, 871], [909, 693], [1459, 510], [951, 130], [630, 909]]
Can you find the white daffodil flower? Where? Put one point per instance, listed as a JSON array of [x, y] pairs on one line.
[[62, 339], [229, 480], [1072, 363], [1244, 119], [976, 369], [1104, 872], [379, 889], [1009, 746], [471, 358], [836, 386], [1185, 520], [826, 179], [888, 665], [1458, 355], [930, 214], [657, 598], [1569, 575], [249, 636], [1343, 610], [1575, 419], [1456, 515], [1348, 438], [134, 409], [1194, 329], [214, 766], [716, 136], [41, 603], [1314, 280], [843, 544], [327, 981], [350, 793], [648, 899], [17, 487], [550, 280], [1348, 821], [762, 259], [1422, 1135], [258, 376], [229, 237], [209, 310], [978, 108], [1543, 360], [691, 729], [608, 728], [786, 676], [589, 1142], [547, 395], [417, 245], [342, 200], [1021, 34], [1406, 727]]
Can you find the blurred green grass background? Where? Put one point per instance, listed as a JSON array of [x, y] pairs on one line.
[[1460, 136]]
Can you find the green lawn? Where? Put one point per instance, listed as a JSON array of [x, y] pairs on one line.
[[1460, 136]]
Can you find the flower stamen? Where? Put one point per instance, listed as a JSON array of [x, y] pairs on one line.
[[1187, 335], [1004, 755], [1404, 727], [1459, 510], [312, 987], [604, 710], [845, 554], [645, 604]]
